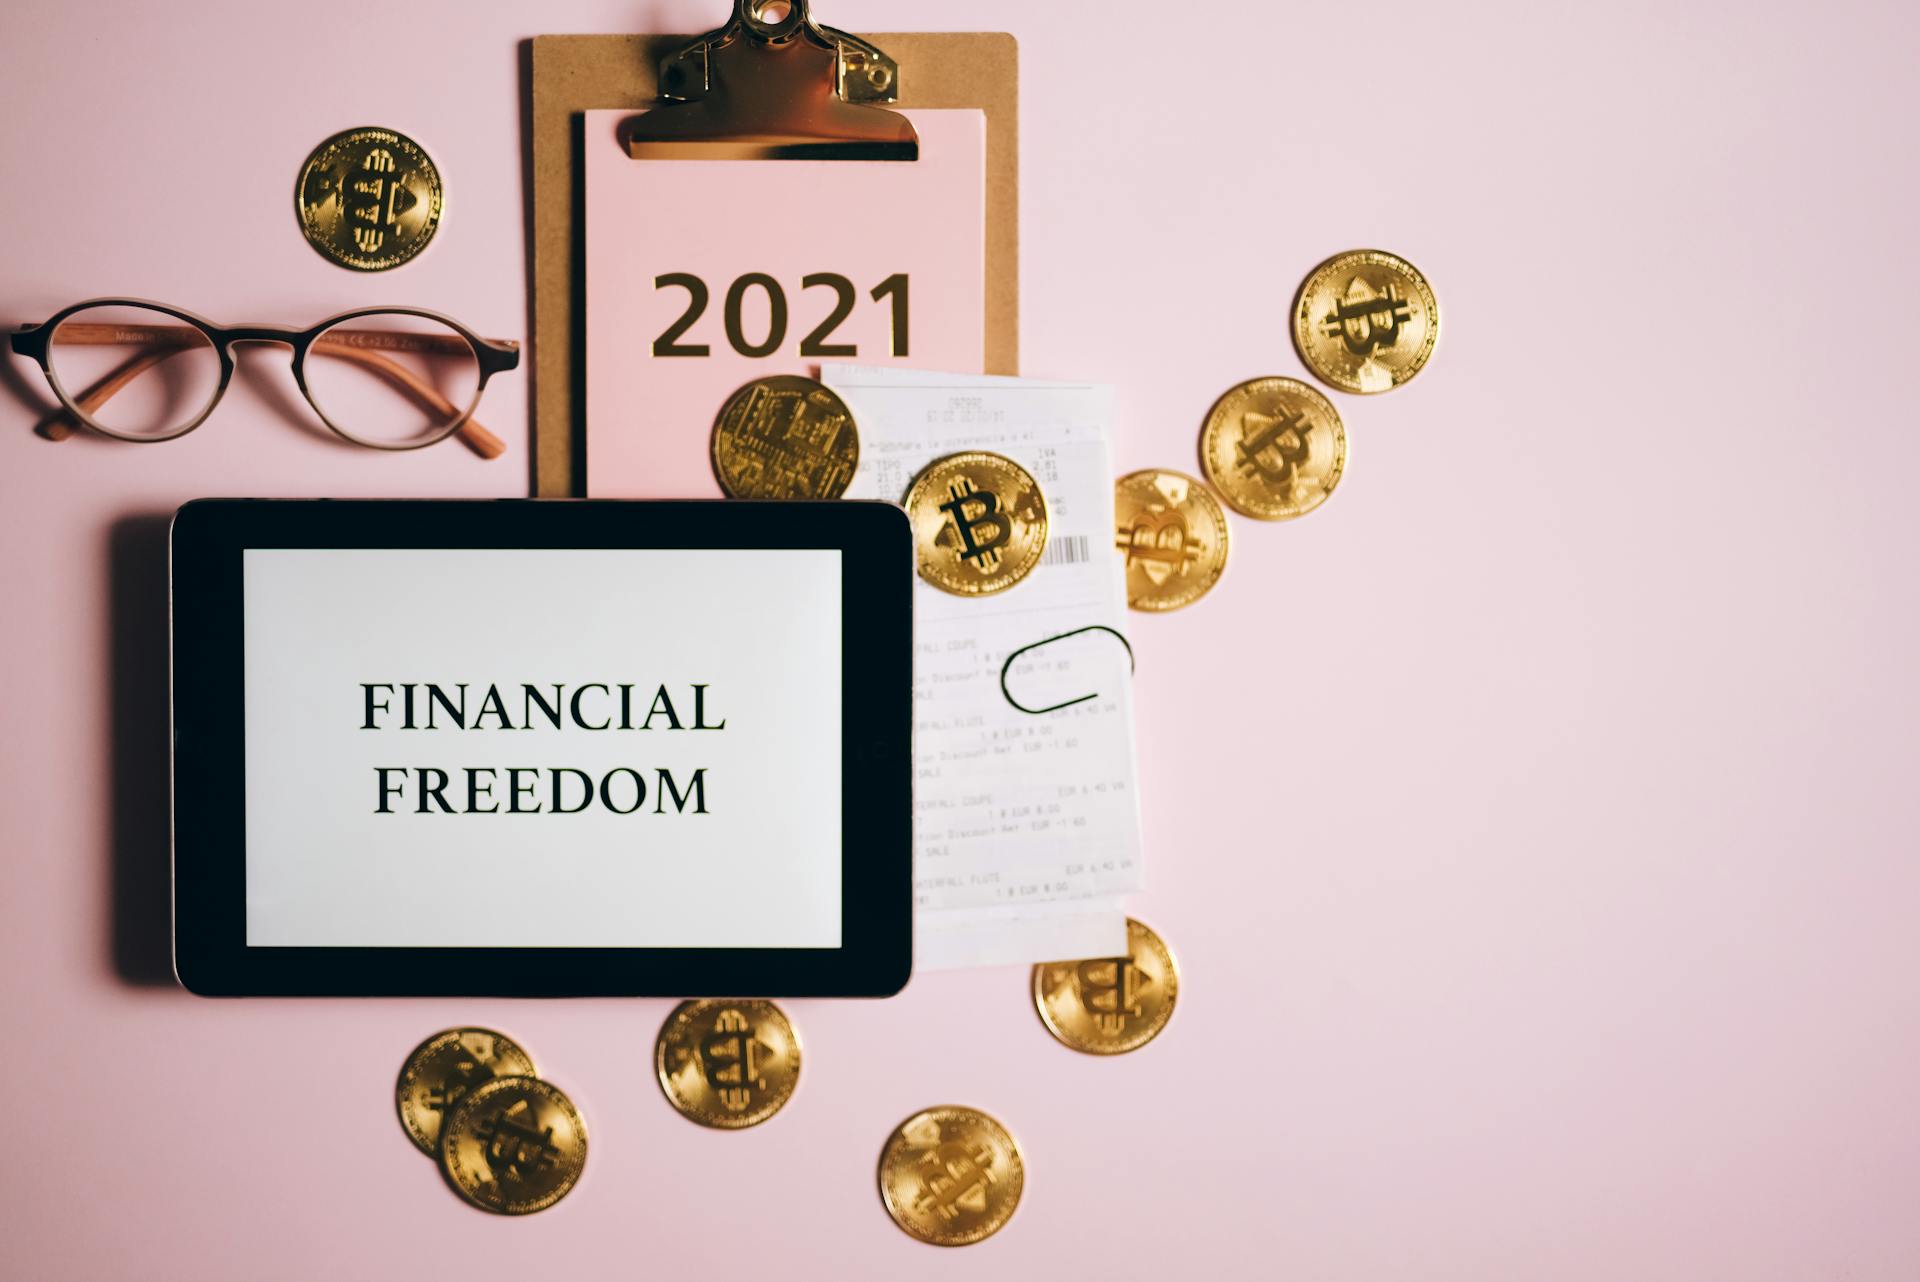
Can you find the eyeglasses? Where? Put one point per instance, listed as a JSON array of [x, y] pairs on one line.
[[392, 378]]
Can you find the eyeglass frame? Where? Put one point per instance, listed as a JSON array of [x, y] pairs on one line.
[[495, 356]]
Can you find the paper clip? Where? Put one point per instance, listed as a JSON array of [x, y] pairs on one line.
[[1008, 667]]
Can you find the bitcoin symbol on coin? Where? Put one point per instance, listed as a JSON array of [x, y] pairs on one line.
[[1274, 448], [376, 200], [1365, 320], [369, 199], [1160, 544], [1285, 435], [461, 1078], [979, 522], [1110, 990], [986, 553], [731, 1059], [514, 1145], [1108, 1005], [515, 1150], [958, 1182], [1173, 537], [728, 1064], [951, 1176]]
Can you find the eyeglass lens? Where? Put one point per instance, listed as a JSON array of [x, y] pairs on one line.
[[137, 372], [392, 379]]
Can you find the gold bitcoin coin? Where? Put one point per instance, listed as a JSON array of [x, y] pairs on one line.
[[979, 523], [368, 199], [951, 1176], [785, 437], [1274, 448], [447, 1066], [514, 1145], [1365, 321], [727, 1063], [1109, 1005], [1173, 536]]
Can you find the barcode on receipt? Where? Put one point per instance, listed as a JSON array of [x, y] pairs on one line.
[[1067, 549]]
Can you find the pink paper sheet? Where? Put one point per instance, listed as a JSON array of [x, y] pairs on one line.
[[650, 416]]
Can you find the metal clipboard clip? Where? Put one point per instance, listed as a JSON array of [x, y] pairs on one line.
[[774, 85], [1062, 636]]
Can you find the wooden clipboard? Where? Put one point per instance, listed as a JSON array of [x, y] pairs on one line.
[[572, 74]]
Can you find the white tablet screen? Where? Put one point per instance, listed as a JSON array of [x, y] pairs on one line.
[[543, 748]]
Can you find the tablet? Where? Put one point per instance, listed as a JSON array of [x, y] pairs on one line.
[[542, 748]]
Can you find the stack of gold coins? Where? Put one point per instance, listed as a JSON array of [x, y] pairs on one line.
[[507, 1141]]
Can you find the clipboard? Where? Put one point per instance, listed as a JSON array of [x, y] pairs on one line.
[[574, 74]]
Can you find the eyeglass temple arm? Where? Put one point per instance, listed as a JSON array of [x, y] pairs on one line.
[[61, 424], [471, 434], [180, 338]]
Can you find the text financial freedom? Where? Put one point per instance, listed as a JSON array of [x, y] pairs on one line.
[[526, 790]]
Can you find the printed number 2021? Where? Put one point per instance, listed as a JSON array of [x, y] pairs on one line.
[[892, 290]]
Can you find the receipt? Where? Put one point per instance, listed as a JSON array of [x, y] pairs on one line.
[[1056, 930], [1027, 823]]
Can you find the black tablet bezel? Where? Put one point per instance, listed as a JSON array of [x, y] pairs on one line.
[[211, 955]]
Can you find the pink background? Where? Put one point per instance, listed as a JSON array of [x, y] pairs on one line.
[[1535, 823]]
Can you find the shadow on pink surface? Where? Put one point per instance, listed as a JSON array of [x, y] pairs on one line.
[[137, 659]]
